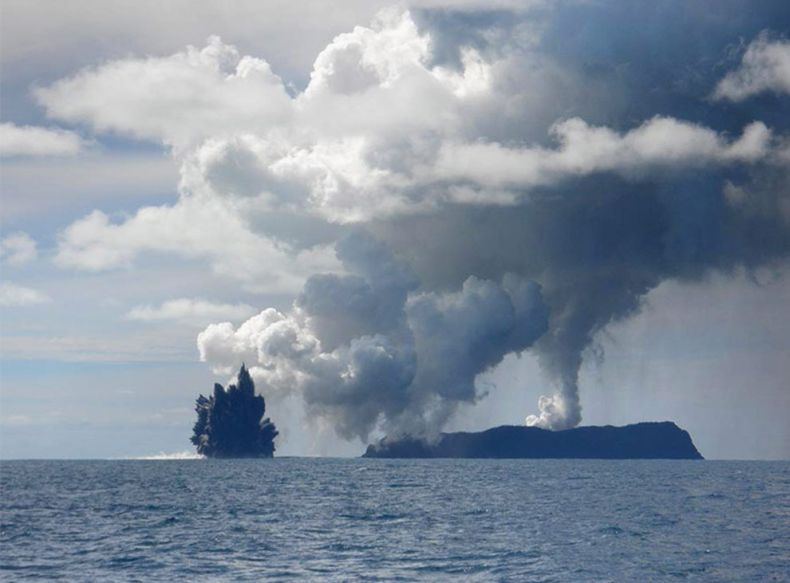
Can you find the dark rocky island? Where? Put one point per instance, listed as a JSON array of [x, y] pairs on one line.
[[231, 424], [655, 440]]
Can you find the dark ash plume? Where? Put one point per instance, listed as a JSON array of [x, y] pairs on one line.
[[365, 350], [231, 424], [597, 253], [530, 203]]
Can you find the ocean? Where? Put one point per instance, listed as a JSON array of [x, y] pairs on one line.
[[302, 519]]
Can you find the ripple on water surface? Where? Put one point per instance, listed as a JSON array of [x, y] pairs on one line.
[[332, 519]]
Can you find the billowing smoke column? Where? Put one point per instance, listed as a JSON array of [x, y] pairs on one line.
[[596, 254], [231, 422], [535, 231], [365, 348], [491, 182]]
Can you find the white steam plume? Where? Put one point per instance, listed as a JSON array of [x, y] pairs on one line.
[[365, 350]]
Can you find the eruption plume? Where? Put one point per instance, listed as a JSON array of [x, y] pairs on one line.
[[230, 422], [365, 347], [490, 182], [471, 240]]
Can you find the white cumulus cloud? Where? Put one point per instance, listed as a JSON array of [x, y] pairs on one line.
[[175, 99], [661, 143], [765, 67], [12, 295], [193, 229], [18, 249], [355, 144], [37, 141], [195, 311]]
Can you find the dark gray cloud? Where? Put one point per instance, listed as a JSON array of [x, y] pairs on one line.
[[528, 177], [598, 245]]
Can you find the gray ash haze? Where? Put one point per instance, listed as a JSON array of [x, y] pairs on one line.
[[380, 221]]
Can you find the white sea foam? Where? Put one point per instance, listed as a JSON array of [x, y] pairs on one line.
[[177, 455]]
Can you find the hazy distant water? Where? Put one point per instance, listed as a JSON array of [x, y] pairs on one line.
[[323, 519]]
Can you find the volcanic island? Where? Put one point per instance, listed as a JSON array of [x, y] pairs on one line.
[[649, 440]]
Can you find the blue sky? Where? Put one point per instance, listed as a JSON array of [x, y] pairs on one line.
[[413, 217]]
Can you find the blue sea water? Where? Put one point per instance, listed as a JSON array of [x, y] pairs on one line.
[[395, 520]]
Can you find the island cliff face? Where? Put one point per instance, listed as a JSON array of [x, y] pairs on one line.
[[654, 440]]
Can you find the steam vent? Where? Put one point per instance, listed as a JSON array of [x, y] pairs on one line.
[[663, 440], [231, 424]]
